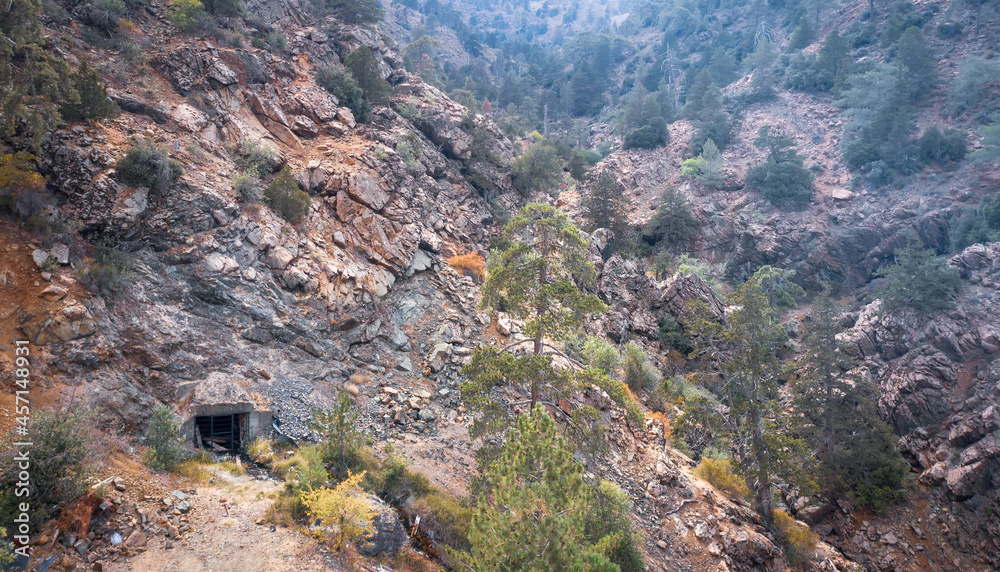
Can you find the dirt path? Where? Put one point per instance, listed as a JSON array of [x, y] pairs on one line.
[[233, 543]]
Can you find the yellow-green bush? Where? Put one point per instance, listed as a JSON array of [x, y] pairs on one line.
[[446, 517], [799, 541], [343, 507], [721, 476]]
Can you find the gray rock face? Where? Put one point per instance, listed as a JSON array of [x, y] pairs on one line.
[[388, 536], [637, 299]]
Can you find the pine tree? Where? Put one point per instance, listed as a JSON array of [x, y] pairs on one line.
[[832, 62], [535, 516], [673, 225], [34, 80], [917, 64], [803, 35], [855, 447], [918, 279], [706, 167], [704, 98], [744, 351], [781, 178], [340, 439], [93, 101], [539, 278], [605, 205]]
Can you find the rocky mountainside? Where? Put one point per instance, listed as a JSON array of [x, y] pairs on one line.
[[227, 302]]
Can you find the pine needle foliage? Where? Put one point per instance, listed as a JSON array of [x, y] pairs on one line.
[[855, 447], [920, 280], [536, 515], [743, 352], [340, 441], [539, 277]]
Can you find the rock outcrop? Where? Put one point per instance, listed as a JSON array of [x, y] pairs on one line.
[[939, 381]]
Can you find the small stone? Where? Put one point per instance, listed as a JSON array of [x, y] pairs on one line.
[[137, 539], [661, 545]]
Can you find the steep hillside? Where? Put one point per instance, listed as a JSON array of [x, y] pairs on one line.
[[285, 238]]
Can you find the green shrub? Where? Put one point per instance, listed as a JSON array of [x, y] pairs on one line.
[[537, 169], [21, 187], [276, 41], [187, 15], [163, 437], [408, 148], [945, 148], [304, 471], [981, 224], [639, 371], [781, 178], [224, 7], [257, 159], [601, 354], [650, 136], [93, 101], [147, 165], [248, 188], [105, 14], [918, 279], [133, 53], [672, 336], [285, 197], [108, 270], [446, 517], [592, 157], [366, 72], [60, 465], [974, 91], [6, 548], [673, 225], [948, 30], [342, 85], [353, 11], [610, 513]]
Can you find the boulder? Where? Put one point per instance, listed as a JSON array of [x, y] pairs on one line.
[[388, 535]]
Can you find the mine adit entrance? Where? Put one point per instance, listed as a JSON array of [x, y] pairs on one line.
[[220, 432], [225, 427]]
